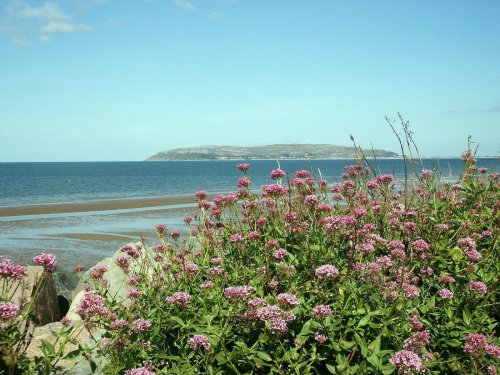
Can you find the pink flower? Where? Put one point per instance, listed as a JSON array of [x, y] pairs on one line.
[[98, 271], [277, 173], [320, 338], [140, 325], [199, 342], [160, 229], [234, 238], [477, 286], [406, 360], [311, 200], [8, 310], [321, 311], [118, 324], [492, 351], [133, 293], [253, 235], [420, 245], [287, 300], [207, 285], [411, 291], [238, 292], [180, 299], [188, 219], [130, 250], [243, 181], [417, 341], [216, 261], [280, 254], [190, 268], [11, 270], [475, 343], [303, 174], [139, 371], [91, 305], [415, 322], [261, 221], [385, 178], [175, 234], [201, 195], [47, 261], [123, 261], [446, 279], [243, 167], [327, 270], [445, 294]]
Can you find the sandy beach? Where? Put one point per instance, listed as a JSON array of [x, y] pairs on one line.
[[92, 206]]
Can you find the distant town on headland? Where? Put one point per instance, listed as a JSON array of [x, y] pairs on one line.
[[278, 151]]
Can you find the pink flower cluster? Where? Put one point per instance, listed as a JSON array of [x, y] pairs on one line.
[[276, 318], [468, 245], [140, 325], [243, 167], [139, 371], [417, 341], [321, 311], [181, 299], [477, 286], [8, 310], [118, 324], [91, 305], [287, 300], [199, 342], [11, 270], [123, 261], [477, 343], [130, 250], [280, 254], [326, 271], [98, 271], [445, 293], [406, 360], [234, 293], [47, 261], [277, 173]]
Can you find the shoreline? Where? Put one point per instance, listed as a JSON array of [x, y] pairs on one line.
[[93, 206]]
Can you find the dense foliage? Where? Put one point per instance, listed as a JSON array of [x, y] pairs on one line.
[[309, 277]]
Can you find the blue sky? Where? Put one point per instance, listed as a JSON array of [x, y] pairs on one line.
[[122, 80]]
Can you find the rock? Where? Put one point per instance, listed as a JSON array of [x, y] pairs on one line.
[[76, 366], [42, 283], [116, 278]]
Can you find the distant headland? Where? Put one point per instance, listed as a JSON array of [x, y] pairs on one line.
[[278, 151]]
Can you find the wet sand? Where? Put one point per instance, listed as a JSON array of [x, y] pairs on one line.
[[118, 204]]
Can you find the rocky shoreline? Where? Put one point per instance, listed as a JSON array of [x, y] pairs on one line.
[[57, 305]]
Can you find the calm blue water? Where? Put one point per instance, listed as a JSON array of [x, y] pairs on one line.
[[67, 234], [34, 183]]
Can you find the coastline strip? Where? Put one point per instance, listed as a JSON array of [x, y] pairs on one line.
[[90, 206]]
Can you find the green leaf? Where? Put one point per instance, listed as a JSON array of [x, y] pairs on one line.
[[364, 321], [374, 361], [374, 347], [456, 254], [73, 354], [264, 356], [331, 369], [47, 348]]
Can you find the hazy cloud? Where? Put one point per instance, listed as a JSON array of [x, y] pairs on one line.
[[186, 5], [24, 23], [49, 11], [64, 27], [215, 16]]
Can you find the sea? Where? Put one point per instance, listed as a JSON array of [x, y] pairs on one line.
[[84, 238]]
